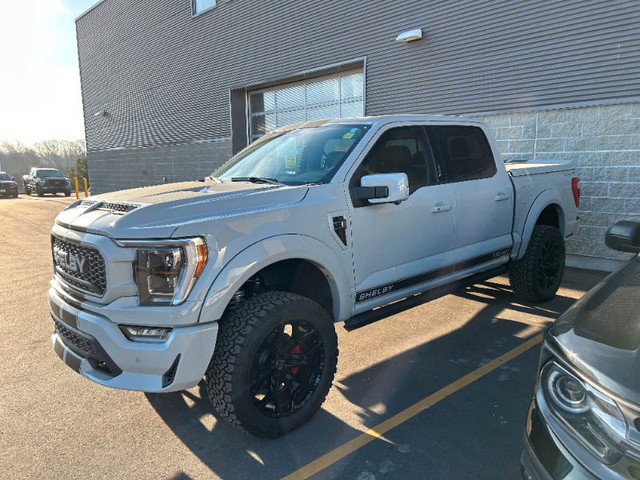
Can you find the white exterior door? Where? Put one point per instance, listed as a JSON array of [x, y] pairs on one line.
[[483, 194], [399, 246]]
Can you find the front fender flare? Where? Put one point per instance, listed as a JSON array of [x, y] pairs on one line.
[[259, 255]]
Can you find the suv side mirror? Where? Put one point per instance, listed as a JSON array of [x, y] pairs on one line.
[[13, 178], [624, 236], [383, 188]]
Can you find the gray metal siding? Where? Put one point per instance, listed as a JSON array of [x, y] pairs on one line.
[[164, 76]]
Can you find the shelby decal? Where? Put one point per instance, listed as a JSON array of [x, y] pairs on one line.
[[500, 253], [375, 292]]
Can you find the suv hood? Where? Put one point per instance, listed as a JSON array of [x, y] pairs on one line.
[[600, 333], [156, 212]]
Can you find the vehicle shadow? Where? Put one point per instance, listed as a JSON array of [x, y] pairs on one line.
[[489, 450], [468, 436], [233, 454]]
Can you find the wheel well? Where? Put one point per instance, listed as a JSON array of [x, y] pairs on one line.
[[551, 216], [297, 276]]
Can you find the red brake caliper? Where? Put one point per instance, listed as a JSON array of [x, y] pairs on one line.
[[297, 350]]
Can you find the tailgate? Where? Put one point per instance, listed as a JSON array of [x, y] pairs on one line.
[[535, 168]]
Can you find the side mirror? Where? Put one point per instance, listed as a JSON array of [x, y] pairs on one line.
[[624, 236], [383, 188], [13, 178]]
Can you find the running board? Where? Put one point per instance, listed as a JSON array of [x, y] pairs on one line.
[[372, 316]]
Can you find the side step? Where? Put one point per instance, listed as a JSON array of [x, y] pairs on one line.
[[366, 318]]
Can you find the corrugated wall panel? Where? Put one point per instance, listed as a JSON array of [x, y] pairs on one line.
[[164, 76]]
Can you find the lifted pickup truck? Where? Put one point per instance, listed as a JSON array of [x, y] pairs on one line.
[[240, 277], [46, 180]]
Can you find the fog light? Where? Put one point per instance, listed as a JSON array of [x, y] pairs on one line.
[[144, 334]]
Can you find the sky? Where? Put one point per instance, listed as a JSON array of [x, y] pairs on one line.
[[39, 78]]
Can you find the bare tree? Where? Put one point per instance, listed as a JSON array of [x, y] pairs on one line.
[[16, 158]]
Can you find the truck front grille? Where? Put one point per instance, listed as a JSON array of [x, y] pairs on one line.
[[79, 266]]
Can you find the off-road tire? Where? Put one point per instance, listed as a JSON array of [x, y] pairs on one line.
[[39, 192], [66, 194], [241, 335], [27, 190], [532, 278]]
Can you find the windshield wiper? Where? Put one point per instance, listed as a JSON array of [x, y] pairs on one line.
[[214, 179], [271, 181]]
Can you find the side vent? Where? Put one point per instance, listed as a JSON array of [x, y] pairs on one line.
[[340, 227]]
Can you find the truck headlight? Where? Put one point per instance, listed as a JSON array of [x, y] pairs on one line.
[[589, 415], [166, 273]]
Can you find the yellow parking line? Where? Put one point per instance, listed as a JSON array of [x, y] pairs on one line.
[[360, 441]]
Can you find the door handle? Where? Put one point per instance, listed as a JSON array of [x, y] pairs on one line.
[[502, 196], [440, 207]]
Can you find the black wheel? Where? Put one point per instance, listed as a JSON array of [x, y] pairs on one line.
[[536, 277], [273, 364], [15, 195], [39, 192], [66, 194], [27, 190]]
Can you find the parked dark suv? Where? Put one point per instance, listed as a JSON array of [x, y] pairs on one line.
[[8, 186], [584, 418]]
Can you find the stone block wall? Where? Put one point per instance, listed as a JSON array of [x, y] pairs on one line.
[[119, 169], [604, 144]]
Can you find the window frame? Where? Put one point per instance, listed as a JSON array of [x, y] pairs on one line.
[[195, 13], [353, 172], [251, 137], [440, 165]]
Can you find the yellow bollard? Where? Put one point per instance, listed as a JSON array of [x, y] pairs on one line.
[[86, 190], [75, 179]]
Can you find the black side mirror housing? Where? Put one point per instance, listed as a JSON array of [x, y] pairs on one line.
[[13, 178], [624, 236]]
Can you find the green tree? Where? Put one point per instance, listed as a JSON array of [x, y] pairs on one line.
[[79, 170]]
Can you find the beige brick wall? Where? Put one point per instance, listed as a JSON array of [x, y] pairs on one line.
[[604, 144]]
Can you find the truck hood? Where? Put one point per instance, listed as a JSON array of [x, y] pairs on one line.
[[156, 212], [600, 334]]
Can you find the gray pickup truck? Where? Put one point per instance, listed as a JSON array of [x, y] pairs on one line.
[[46, 180], [240, 277]]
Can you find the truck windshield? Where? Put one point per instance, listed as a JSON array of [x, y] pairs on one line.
[[48, 173], [4, 176], [295, 157]]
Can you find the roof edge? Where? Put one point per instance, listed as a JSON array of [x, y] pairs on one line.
[[88, 10]]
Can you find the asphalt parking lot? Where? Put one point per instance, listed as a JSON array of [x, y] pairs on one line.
[[435, 392]]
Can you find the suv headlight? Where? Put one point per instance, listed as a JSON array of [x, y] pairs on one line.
[[166, 273], [590, 416]]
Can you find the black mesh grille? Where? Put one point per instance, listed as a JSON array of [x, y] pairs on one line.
[[118, 207], [56, 182], [85, 345], [91, 277]]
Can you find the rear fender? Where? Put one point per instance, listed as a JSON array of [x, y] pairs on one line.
[[269, 251], [542, 201]]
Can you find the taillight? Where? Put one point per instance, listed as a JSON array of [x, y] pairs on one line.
[[575, 188]]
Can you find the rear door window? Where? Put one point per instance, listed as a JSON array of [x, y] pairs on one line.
[[461, 153]]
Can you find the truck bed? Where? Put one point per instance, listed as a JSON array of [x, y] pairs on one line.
[[535, 168]]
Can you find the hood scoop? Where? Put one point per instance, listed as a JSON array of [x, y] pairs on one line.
[[113, 207]]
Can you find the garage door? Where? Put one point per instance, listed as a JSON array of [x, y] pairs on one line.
[[336, 96]]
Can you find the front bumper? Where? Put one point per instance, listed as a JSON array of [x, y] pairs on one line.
[[95, 347], [8, 190], [55, 188], [548, 457]]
